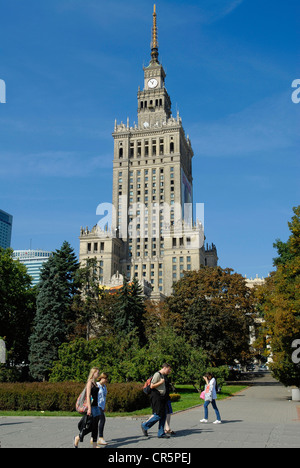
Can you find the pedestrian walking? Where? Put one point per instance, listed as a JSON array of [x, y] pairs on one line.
[[103, 379], [210, 397], [158, 398], [93, 411], [170, 388]]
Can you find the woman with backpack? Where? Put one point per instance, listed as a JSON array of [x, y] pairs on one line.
[[210, 397]]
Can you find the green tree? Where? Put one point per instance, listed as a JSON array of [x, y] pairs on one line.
[[92, 307], [216, 309], [188, 362], [117, 355], [55, 292], [280, 299], [129, 309], [17, 307]]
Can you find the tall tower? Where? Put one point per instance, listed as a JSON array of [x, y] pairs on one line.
[[154, 103], [155, 234]]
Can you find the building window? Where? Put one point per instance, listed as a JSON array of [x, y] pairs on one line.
[[161, 146], [153, 147], [139, 149], [132, 149]]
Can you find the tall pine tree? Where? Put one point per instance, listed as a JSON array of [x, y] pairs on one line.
[[55, 292], [129, 310]]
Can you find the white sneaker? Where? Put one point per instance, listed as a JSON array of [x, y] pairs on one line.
[[203, 420], [217, 422], [101, 441]]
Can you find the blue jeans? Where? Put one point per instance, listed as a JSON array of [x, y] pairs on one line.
[[214, 405], [153, 420]]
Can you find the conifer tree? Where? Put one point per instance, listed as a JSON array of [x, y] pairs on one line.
[[55, 293], [129, 309]]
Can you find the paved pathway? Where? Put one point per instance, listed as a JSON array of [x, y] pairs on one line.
[[260, 416]]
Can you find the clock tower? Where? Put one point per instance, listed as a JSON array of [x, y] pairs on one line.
[[153, 236], [154, 103]]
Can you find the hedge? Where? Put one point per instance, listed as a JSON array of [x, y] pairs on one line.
[[45, 396]]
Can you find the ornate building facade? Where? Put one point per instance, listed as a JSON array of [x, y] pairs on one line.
[[152, 234]]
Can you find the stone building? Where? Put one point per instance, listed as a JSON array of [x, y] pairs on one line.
[[154, 234]]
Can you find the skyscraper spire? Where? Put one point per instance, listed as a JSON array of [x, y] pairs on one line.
[[154, 43]]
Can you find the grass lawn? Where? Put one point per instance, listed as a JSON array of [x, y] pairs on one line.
[[189, 398]]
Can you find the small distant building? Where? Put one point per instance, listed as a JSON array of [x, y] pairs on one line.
[[6, 221], [33, 260], [251, 283], [117, 281]]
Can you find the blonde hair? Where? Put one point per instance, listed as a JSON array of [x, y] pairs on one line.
[[91, 374]]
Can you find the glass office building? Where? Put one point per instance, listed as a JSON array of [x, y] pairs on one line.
[[6, 221], [33, 260]]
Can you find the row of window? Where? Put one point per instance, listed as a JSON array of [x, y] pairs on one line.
[[146, 148], [95, 247], [150, 188], [152, 103]]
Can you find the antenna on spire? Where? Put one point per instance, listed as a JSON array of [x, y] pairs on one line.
[[154, 43]]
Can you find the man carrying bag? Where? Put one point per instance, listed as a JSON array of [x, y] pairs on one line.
[[159, 399]]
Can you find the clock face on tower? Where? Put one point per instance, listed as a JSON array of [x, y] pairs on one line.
[[152, 83]]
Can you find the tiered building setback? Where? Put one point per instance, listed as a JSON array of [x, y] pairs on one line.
[[152, 234]]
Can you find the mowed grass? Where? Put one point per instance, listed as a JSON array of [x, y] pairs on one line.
[[189, 398]]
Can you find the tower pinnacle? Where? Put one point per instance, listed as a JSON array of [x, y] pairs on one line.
[[154, 43]]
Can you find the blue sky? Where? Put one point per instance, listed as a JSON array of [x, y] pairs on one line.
[[72, 67]]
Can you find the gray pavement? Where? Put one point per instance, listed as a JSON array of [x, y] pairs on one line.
[[262, 416]]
